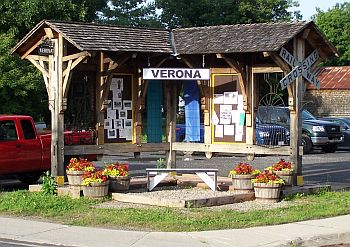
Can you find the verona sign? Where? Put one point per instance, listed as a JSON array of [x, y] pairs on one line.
[[175, 74], [299, 68]]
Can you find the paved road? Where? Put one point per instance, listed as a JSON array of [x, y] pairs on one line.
[[317, 167]]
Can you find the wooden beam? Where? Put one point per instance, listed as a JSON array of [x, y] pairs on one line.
[[66, 81], [191, 65], [241, 78], [76, 55], [286, 69], [261, 69], [161, 62], [38, 58], [74, 64], [46, 79], [144, 93], [230, 148], [306, 33], [119, 62], [33, 47], [48, 32], [42, 69]]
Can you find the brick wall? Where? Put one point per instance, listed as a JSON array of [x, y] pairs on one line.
[[323, 103]]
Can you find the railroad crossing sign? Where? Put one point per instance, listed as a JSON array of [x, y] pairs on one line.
[[299, 68]]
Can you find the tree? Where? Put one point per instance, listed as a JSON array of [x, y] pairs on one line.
[[335, 24], [183, 13], [137, 13], [21, 84]]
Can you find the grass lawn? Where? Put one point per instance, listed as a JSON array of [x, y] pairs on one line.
[[81, 212]]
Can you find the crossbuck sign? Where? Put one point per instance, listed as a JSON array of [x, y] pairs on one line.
[[299, 68]]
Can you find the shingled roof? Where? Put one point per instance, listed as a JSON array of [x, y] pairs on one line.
[[235, 38], [197, 40], [98, 37]]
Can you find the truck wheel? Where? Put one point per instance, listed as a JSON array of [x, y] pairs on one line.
[[307, 143], [29, 178], [330, 148]]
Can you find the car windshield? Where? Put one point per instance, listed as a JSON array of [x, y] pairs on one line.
[[307, 115], [275, 115]]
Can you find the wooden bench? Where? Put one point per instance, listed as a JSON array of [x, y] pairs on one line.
[[156, 175]]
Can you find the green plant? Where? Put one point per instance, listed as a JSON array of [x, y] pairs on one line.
[[83, 212], [160, 163], [49, 185], [267, 177], [243, 169]]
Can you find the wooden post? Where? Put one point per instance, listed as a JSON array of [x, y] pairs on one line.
[[295, 115], [61, 108], [173, 112], [53, 88], [99, 88], [250, 116]]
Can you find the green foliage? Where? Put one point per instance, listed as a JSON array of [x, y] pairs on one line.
[[335, 24], [130, 13], [49, 185], [183, 13], [81, 212], [22, 89], [160, 163]]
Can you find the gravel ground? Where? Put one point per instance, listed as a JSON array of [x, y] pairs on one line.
[[177, 193]]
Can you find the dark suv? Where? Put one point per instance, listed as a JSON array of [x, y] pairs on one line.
[[315, 133]]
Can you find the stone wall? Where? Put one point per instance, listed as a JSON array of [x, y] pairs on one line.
[[323, 103]]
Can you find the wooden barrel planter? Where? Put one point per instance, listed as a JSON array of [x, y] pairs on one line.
[[119, 184], [96, 190], [242, 183], [287, 177], [75, 178], [267, 192]]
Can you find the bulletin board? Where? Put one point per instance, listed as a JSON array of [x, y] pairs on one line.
[[118, 122], [228, 115]]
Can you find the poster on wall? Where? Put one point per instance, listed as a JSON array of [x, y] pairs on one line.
[[218, 99], [108, 123], [127, 104], [225, 114], [228, 116], [118, 116], [111, 133], [230, 98], [111, 113]]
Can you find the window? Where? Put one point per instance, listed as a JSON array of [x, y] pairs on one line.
[[8, 131], [28, 129]]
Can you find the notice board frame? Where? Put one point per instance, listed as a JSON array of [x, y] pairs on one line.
[[228, 84]]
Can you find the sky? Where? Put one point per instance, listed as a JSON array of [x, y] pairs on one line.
[[308, 7]]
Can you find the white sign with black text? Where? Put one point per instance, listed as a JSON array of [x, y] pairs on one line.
[[175, 74]]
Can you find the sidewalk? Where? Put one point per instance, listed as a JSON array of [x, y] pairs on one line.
[[308, 233]]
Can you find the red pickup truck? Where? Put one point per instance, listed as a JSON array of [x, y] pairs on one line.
[[23, 152]]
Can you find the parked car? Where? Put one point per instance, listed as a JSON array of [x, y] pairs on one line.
[[266, 134], [23, 152], [344, 123], [315, 133]]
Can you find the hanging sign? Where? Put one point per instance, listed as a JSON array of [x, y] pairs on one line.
[[300, 68], [46, 48], [175, 74]]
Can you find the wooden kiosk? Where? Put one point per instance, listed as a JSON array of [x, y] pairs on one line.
[[111, 61]]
